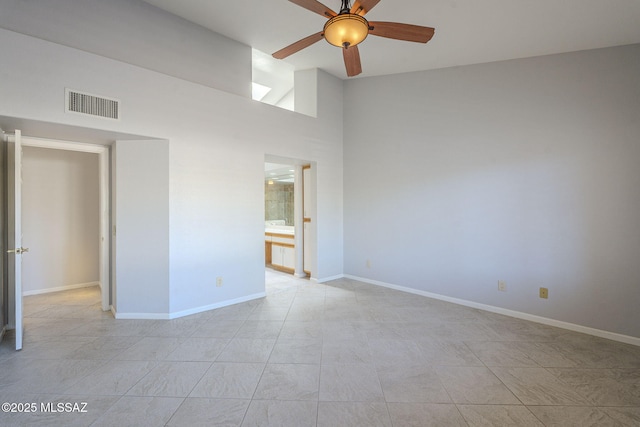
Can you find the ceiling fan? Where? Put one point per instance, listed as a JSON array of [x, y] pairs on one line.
[[349, 27]]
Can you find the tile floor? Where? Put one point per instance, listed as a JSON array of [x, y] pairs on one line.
[[342, 353]]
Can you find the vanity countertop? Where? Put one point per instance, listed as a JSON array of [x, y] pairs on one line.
[[280, 229]]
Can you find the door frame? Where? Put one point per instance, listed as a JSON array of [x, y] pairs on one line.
[[312, 247], [103, 170]]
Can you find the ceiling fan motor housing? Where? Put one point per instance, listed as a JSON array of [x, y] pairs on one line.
[[346, 29]]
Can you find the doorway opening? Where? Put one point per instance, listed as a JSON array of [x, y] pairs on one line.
[[66, 216], [288, 214]]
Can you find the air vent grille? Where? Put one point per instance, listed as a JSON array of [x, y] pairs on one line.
[[84, 103]]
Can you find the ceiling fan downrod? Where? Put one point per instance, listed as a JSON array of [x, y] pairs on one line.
[[346, 7]]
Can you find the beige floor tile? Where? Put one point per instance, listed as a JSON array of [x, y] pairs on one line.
[[289, 382], [306, 310], [132, 411], [594, 352], [537, 386], [131, 328], [247, 350], [263, 329], [113, 378], [546, 354], [202, 412], [345, 330], [42, 327], [515, 330], [76, 410], [55, 349], [603, 387], [356, 414], [150, 348], [499, 353], [475, 385], [184, 327], [53, 376], [170, 379], [293, 329], [353, 382], [239, 312], [628, 417], [345, 351], [447, 353], [281, 413], [572, 416], [425, 415], [385, 352], [229, 380], [361, 355], [104, 347], [218, 327], [412, 383], [296, 351], [198, 350], [269, 314], [498, 415]]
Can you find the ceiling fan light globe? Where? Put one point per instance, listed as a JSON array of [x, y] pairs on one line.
[[346, 29]]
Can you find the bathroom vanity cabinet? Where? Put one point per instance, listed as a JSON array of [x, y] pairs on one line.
[[280, 251]]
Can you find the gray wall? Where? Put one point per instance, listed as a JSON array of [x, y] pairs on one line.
[[525, 171], [141, 227], [60, 219], [137, 33]]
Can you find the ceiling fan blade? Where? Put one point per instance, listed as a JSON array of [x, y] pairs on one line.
[[395, 30], [363, 6], [315, 6], [352, 60], [297, 46]]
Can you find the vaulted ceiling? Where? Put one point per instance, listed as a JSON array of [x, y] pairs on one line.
[[467, 31]]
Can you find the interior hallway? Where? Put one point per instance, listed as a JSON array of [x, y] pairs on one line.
[[343, 353]]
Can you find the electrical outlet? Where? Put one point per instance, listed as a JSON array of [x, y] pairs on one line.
[[544, 293], [502, 286], [219, 281], [368, 263]]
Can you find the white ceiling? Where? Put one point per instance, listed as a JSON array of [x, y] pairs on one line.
[[467, 31]]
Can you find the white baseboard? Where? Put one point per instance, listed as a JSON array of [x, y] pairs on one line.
[[512, 313], [183, 313], [328, 279], [141, 316], [227, 303], [60, 288]]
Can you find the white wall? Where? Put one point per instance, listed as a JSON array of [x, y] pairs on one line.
[[141, 227], [524, 171], [138, 33], [217, 146], [60, 219], [305, 99]]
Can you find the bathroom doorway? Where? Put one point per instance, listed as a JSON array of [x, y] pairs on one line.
[[288, 215]]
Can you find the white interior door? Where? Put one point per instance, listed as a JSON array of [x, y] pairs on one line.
[[14, 233]]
